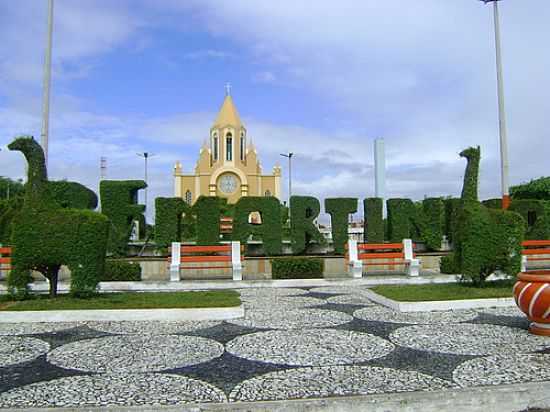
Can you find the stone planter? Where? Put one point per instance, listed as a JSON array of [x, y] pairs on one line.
[[532, 295]]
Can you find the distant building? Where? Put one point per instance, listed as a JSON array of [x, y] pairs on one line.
[[228, 166]]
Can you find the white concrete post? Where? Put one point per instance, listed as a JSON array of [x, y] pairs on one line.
[[236, 261], [355, 265], [175, 262], [412, 264]]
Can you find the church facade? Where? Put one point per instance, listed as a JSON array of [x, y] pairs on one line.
[[228, 166]]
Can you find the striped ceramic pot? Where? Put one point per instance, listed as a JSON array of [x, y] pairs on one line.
[[532, 295]]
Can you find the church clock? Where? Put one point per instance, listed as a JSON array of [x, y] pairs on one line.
[[228, 183]]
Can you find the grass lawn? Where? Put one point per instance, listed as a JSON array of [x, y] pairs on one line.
[[165, 300], [445, 291]]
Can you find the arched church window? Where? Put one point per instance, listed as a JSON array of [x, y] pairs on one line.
[[243, 146], [229, 147], [188, 197], [215, 146], [267, 193]]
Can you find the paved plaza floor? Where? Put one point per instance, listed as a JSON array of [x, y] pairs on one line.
[[292, 344]]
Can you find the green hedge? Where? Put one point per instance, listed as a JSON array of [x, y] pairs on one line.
[[73, 195], [448, 265], [297, 268], [119, 204], [269, 230], [492, 203], [168, 220], [423, 221], [374, 222], [535, 189], [304, 210], [339, 210], [46, 236], [537, 215], [207, 210], [452, 206], [121, 271], [9, 209]]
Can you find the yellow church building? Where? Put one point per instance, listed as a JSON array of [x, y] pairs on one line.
[[229, 166]]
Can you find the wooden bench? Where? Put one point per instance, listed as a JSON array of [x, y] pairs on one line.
[[378, 254], [533, 251], [228, 256], [5, 260]]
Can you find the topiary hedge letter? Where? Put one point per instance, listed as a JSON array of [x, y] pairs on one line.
[[373, 209], [46, 236], [207, 210], [269, 209], [537, 215], [168, 220], [303, 211], [119, 204], [339, 210]]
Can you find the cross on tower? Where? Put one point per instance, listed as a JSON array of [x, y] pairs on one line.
[[228, 89]]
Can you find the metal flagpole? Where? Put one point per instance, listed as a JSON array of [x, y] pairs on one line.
[[504, 164], [47, 83]]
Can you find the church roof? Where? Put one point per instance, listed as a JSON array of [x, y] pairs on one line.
[[228, 114]]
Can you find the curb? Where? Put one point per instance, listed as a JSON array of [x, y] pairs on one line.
[[441, 305], [503, 398], [170, 315]]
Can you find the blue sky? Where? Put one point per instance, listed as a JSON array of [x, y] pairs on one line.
[[321, 79]]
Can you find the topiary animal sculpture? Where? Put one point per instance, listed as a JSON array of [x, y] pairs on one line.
[[46, 236], [486, 239]]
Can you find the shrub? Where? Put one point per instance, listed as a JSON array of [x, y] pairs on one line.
[[304, 210], [422, 221], [339, 210], [537, 215], [119, 204], [492, 203], [46, 236], [73, 195], [207, 210], [452, 206], [297, 268], [121, 270], [374, 223], [448, 265], [535, 189], [269, 230], [168, 220]]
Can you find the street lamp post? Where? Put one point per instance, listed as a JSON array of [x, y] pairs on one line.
[[47, 83], [504, 164], [289, 156], [146, 156]]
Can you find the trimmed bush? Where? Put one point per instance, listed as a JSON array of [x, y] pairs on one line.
[[374, 222], [401, 220], [304, 210], [486, 239], [121, 271], [433, 215], [207, 210], [269, 230], [492, 203], [535, 189], [339, 210], [297, 268], [168, 220], [537, 215], [119, 204], [46, 236], [9, 209], [452, 206], [73, 195], [448, 265]]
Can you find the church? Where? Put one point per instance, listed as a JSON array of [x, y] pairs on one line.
[[228, 166]]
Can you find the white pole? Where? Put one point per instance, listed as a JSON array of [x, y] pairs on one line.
[[502, 114], [47, 82]]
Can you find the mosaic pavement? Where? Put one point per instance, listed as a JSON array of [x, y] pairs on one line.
[[293, 343]]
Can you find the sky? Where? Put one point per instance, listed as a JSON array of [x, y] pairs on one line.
[[321, 79]]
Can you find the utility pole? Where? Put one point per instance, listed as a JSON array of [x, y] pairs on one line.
[[504, 164], [47, 83], [146, 156]]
